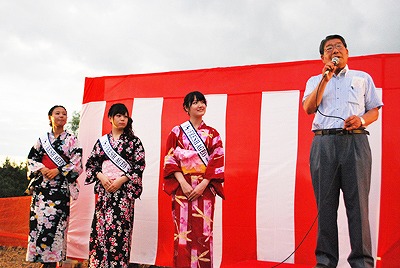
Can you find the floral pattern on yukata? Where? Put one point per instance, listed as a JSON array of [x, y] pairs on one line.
[[112, 225], [49, 211], [193, 220]]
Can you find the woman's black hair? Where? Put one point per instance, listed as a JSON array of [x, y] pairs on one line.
[[120, 108], [50, 113], [329, 37], [190, 97]]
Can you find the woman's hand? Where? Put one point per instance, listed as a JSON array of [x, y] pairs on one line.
[[199, 189], [185, 186], [105, 181], [49, 173], [187, 189], [117, 183]]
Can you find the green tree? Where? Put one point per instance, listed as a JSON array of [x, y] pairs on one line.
[[13, 180], [73, 124]]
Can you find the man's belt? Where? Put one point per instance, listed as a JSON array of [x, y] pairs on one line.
[[339, 131]]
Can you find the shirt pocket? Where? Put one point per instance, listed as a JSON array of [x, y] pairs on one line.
[[356, 91]]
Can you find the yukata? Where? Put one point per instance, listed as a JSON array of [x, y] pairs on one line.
[[49, 211], [112, 225], [193, 220]]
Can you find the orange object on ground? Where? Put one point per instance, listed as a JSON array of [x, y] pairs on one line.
[[14, 221]]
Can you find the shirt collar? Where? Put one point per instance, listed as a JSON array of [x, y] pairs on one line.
[[344, 71]]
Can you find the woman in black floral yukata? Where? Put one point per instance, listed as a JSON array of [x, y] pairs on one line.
[[115, 165], [54, 164]]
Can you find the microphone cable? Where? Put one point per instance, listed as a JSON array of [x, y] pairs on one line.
[[312, 224], [301, 242], [330, 187], [316, 101]]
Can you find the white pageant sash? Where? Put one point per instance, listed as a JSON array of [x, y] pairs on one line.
[[196, 141], [53, 155], [113, 155], [59, 161]]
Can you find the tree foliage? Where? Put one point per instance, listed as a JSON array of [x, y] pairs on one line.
[[13, 179], [73, 124]]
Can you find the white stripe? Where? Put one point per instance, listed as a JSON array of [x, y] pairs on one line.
[[375, 141], [90, 128], [216, 118], [276, 177], [146, 115], [376, 178]]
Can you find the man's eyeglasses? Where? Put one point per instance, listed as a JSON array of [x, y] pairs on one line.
[[330, 48]]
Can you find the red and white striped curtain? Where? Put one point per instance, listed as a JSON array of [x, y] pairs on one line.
[[269, 204]]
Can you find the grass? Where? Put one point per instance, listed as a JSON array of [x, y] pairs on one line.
[[14, 257]]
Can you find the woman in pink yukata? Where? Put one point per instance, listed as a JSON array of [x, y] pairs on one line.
[[193, 175]]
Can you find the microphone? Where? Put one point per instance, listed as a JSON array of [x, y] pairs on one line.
[[335, 61]]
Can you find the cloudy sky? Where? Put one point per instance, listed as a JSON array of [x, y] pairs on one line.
[[47, 48]]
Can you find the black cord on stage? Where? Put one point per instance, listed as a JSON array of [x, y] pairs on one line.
[[301, 242], [312, 225]]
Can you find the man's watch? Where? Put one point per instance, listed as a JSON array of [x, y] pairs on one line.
[[362, 121]]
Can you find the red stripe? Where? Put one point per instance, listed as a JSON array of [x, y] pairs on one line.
[[172, 115], [389, 225], [241, 173], [94, 89], [228, 80]]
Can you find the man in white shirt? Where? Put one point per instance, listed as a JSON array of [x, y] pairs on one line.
[[344, 102]]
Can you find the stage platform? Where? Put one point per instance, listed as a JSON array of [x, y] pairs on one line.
[[261, 264]]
